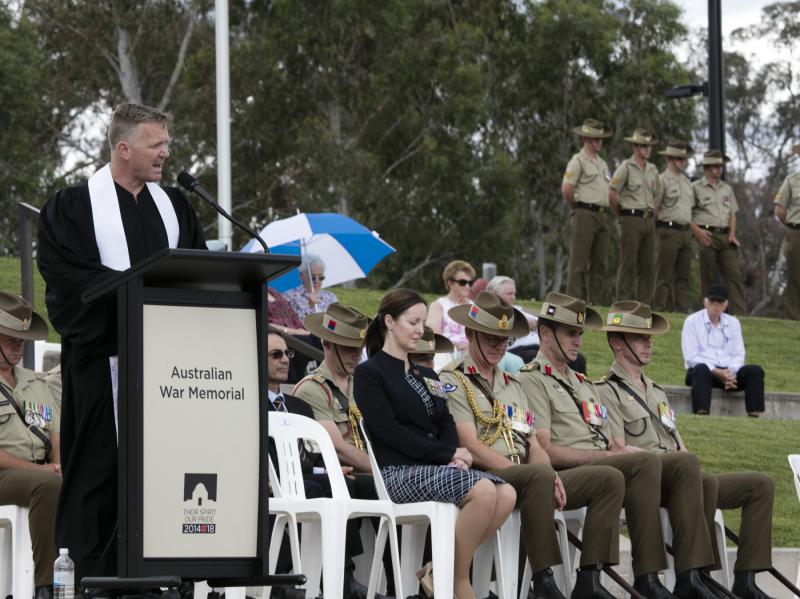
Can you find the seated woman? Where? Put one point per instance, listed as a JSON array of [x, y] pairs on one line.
[[458, 277], [281, 315], [414, 437]]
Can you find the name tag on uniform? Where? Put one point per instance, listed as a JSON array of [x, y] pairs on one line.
[[435, 388], [667, 415], [594, 413]]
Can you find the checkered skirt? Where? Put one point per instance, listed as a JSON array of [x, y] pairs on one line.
[[408, 484]]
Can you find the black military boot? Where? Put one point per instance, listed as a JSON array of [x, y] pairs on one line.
[[587, 585], [744, 586], [648, 585], [544, 586], [690, 585]]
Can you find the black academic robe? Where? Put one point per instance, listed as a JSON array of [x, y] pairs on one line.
[[69, 262]]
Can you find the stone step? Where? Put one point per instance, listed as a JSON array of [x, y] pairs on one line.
[[776, 405]]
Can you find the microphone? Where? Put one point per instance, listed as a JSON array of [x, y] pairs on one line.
[[192, 185]]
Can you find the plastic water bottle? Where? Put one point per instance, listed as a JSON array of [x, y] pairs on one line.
[[63, 576]]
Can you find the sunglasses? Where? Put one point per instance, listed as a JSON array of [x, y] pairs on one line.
[[463, 282], [277, 354]]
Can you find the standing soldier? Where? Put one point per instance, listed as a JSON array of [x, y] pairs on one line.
[[632, 199], [673, 215], [585, 190], [787, 209], [714, 226]]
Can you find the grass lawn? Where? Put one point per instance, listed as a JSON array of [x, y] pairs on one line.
[[726, 444]]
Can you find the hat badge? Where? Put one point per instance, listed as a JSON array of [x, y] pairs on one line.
[[551, 310], [331, 325], [649, 323], [503, 322], [581, 317], [26, 324], [362, 333], [431, 346], [617, 319]]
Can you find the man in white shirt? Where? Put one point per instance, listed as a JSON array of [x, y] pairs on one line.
[[713, 353]]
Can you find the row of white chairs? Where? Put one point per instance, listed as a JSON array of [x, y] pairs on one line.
[[290, 507]]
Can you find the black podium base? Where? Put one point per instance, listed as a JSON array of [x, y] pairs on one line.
[[172, 582]]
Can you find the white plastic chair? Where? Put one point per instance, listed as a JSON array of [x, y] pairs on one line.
[[794, 463], [415, 518], [324, 519], [16, 565], [284, 519], [567, 520], [719, 539]]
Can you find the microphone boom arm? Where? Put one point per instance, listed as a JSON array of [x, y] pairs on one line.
[[192, 185]]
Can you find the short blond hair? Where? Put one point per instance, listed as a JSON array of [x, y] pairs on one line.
[[453, 268], [127, 116]]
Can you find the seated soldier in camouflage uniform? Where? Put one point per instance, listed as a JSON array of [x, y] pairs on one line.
[[639, 415], [494, 423], [572, 428]]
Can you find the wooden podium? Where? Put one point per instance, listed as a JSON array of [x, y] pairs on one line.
[[192, 413]]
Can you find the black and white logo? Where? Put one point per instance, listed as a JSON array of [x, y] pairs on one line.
[[199, 503]]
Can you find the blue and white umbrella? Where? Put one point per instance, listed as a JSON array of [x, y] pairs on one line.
[[349, 249]]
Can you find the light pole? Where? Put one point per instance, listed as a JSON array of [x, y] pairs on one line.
[[714, 87]]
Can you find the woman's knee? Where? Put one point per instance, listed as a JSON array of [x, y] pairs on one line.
[[506, 497], [482, 492]]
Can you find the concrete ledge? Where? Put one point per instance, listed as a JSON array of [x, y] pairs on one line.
[[776, 405]]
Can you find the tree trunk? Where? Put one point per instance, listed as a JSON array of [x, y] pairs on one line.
[[128, 75]]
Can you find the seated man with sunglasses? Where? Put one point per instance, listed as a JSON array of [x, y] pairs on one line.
[[316, 484], [310, 297]]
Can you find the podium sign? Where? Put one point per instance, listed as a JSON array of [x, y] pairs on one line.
[[200, 393], [192, 438]]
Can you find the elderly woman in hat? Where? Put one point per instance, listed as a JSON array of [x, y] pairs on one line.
[[30, 469], [414, 437]]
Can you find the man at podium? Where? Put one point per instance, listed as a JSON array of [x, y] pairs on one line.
[[87, 233]]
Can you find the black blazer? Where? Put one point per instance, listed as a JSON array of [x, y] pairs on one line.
[[397, 423]]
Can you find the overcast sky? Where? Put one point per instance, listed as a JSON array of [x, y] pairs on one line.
[[735, 13]]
